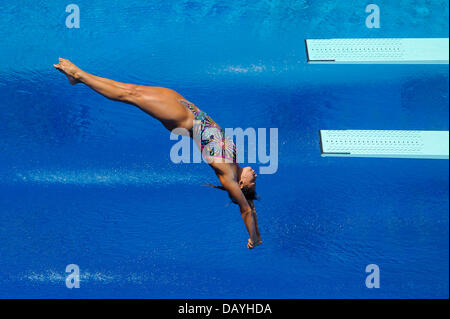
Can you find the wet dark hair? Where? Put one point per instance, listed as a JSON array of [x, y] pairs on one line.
[[249, 193]]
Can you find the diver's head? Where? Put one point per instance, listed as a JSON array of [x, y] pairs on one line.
[[247, 183]]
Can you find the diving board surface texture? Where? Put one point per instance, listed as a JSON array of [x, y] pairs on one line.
[[385, 143], [383, 50]]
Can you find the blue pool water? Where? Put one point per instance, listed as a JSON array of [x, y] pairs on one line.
[[87, 181]]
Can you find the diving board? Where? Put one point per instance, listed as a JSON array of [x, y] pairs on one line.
[[381, 143], [378, 51]]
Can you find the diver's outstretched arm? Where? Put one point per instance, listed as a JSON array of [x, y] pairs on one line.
[[255, 217], [235, 192]]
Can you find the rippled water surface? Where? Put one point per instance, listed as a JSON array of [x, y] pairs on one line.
[[88, 181]]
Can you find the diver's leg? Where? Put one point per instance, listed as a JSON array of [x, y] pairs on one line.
[[108, 90], [163, 107], [119, 85], [154, 89], [160, 103]]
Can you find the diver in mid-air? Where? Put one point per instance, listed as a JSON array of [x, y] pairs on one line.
[[174, 111]]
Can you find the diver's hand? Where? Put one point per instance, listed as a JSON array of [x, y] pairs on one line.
[[251, 244]]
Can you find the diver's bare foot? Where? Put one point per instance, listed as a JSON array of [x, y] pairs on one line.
[[72, 80], [69, 69]]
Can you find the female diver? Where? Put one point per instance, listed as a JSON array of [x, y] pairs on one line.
[[174, 111]]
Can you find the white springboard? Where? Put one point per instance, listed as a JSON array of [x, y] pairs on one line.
[[378, 50], [385, 143]]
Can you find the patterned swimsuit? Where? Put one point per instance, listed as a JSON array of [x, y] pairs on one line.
[[213, 143]]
